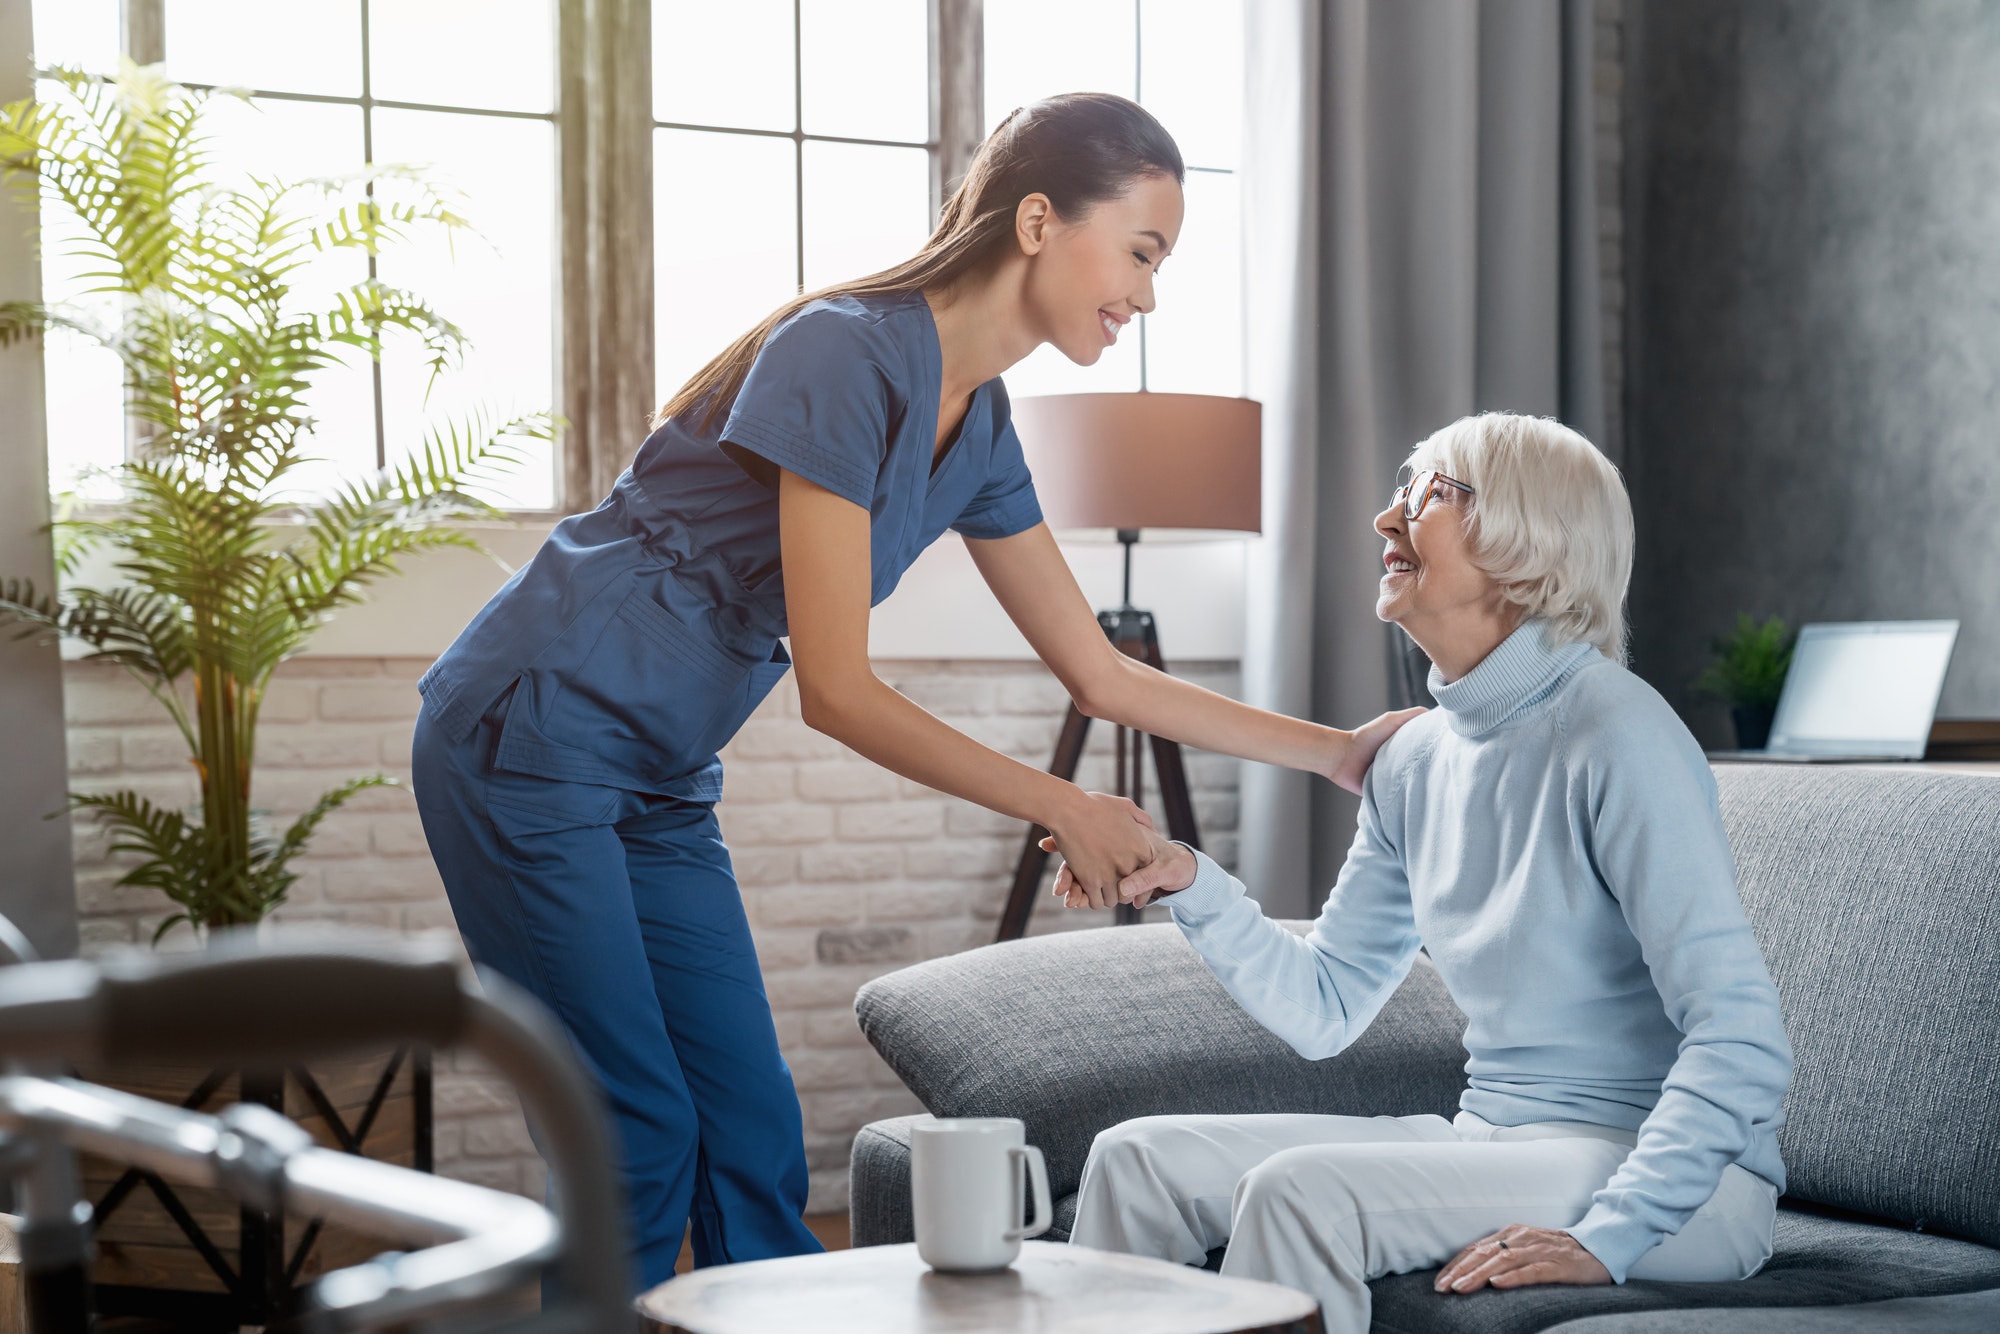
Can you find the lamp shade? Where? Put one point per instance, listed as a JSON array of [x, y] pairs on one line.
[[1145, 460]]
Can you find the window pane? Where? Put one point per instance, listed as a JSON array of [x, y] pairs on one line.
[[276, 138], [1194, 339], [503, 53], [291, 142], [724, 64], [867, 69], [1038, 47], [83, 380], [294, 141], [80, 33], [499, 286], [295, 48], [86, 407], [866, 209], [1191, 75], [725, 242]]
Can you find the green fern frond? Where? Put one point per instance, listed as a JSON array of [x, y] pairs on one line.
[[303, 828], [225, 574], [175, 856]]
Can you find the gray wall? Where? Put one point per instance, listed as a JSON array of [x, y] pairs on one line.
[[35, 882], [1813, 240]]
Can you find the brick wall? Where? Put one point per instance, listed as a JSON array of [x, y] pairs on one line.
[[848, 871]]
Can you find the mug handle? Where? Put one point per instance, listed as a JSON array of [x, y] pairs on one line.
[[1038, 1181]]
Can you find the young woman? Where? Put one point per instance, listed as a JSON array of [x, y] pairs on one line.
[[565, 756]]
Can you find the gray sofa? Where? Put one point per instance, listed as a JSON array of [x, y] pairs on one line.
[[1876, 896]]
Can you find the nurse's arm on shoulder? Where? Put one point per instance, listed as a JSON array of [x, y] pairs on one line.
[[1033, 582], [825, 545]]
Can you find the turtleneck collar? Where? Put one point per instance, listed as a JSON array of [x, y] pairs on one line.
[[1523, 671]]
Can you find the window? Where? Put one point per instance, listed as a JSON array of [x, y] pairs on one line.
[[795, 143], [85, 420], [342, 83], [791, 150], [1183, 61]]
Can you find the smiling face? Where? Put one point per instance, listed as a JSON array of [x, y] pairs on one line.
[[1430, 584], [1087, 278]]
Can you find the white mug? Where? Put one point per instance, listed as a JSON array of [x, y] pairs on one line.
[[965, 1184]]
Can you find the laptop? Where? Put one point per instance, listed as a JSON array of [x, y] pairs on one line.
[[1864, 690]]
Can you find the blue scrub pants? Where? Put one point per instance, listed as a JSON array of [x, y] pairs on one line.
[[620, 912]]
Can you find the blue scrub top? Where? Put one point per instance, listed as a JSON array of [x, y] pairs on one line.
[[643, 633]]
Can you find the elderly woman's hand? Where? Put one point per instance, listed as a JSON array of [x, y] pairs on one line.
[[1109, 837], [1350, 766], [1171, 869], [1520, 1257]]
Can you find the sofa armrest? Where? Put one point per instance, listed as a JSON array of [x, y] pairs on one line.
[[878, 1200], [1078, 1032]]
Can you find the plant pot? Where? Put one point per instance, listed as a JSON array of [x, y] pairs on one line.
[[193, 1256], [1753, 725]]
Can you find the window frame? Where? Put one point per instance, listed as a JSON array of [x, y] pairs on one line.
[[142, 36], [605, 135], [604, 126]]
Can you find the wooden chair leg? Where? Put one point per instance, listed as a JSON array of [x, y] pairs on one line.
[[1033, 862]]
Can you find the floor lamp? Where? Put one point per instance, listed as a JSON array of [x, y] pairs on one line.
[[1177, 466]]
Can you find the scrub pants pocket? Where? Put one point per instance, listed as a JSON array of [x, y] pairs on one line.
[[620, 912]]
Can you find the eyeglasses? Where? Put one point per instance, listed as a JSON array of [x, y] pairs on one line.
[[1416, 493]]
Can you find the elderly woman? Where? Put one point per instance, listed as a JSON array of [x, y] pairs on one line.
[[1550, 835]]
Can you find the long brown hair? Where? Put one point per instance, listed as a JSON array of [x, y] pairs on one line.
[[1077, 148]]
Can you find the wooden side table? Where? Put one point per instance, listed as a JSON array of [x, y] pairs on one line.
[[1052, 1289]]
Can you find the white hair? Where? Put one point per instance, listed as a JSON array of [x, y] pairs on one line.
[[1551, 523]]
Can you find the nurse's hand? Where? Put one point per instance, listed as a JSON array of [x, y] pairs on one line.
[[1171, 870], [1348, 765], [1103, 839]]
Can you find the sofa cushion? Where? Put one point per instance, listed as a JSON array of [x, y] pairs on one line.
[[1876, 897], [1961, 1313], [1077, 1032], [1818, 1261], [879, 1210]]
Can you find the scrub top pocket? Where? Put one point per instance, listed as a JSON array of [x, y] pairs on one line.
[[693, 653], [644, 707]]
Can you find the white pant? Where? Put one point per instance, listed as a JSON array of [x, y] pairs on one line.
[[1325, 1203]]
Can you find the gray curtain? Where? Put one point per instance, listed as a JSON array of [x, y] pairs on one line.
[[1420, 227], [37, 890]]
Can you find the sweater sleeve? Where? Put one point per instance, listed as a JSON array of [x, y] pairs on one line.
[[1321, 991], [1659, 845]]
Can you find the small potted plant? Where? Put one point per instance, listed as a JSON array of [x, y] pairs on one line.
[[1748, 674], [224, 568]]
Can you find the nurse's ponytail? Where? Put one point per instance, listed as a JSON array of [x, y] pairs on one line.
[[1079, 149]]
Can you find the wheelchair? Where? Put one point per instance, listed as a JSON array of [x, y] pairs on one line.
[[468, 1249]]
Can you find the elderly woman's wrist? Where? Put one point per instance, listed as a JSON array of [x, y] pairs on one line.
[[1187, 869]]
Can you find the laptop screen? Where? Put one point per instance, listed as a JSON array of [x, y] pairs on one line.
[[1870, 688]]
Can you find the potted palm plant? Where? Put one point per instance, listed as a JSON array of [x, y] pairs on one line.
[[1748, 674], [224, 568]]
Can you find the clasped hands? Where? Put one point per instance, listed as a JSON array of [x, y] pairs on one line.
[[1114, 854]]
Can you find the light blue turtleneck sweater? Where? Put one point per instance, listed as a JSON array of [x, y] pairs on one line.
[[1550, 834]]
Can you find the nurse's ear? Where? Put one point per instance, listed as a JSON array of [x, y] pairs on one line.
[[1034, 220]]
